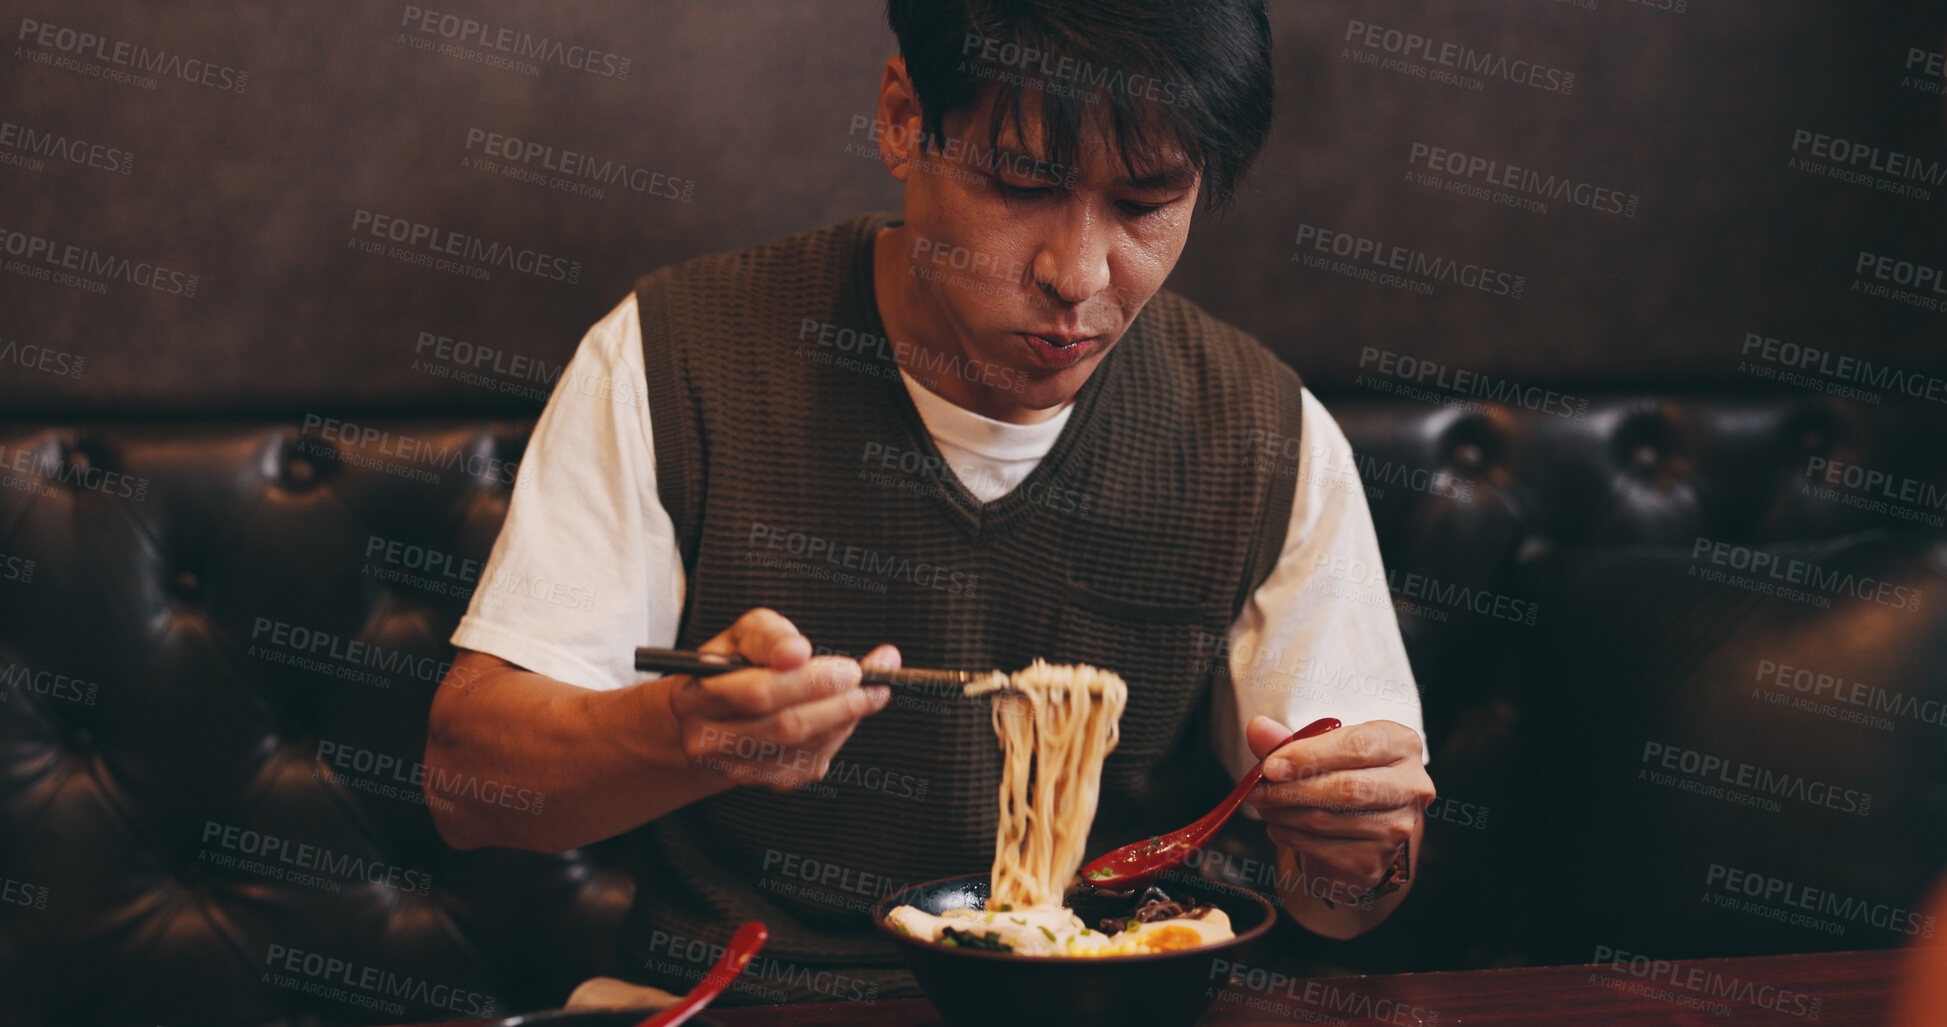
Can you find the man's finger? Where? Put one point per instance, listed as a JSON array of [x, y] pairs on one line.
[[824, 747], [764, 637], [797, 725], [745, 694], [884, 657], [1370, 827], [1375, 743], [1263, 734], [1339, 791], [788, 768]]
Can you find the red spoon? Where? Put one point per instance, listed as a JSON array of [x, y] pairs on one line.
[[1140, 863], [743, 945]]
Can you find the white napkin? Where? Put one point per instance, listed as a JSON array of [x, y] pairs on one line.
[[612, 993]]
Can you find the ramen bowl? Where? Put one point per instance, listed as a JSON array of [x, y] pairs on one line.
[[1165, 989], [577, 1018]]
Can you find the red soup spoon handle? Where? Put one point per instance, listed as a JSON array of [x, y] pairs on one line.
[[1141, 863], [743, 945]]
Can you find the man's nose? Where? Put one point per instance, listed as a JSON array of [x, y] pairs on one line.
[[1073, 263]]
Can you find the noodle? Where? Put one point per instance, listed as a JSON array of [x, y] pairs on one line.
[[1056, 726]]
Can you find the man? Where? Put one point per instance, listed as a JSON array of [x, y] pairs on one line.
[[967, 437]]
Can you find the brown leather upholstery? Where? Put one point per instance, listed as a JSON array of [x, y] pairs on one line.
[[161, 631], [158, 723]]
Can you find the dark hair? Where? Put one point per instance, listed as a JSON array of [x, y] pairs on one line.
[[1196, 73]]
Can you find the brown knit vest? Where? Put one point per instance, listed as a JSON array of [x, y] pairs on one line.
[[800, 477]]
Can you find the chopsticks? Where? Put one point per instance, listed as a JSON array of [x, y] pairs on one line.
[[689, 661]]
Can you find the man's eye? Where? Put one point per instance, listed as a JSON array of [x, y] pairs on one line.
[[1138, 210], [1021, 192]]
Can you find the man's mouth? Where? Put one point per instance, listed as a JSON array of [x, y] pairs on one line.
[[1056, 351]]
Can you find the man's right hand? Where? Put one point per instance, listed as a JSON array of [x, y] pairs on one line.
[[779, 723]]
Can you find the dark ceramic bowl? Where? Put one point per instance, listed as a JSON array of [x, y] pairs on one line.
[[582, 1018], [1165, 989]]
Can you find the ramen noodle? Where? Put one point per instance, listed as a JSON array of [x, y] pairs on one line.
[[1056, 725]]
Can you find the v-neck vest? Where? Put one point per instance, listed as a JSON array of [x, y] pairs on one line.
[[801, 477]]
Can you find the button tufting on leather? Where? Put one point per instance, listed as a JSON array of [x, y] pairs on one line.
[[1644, 441], [300, 472], [1821, 428], [1471, 442], [186, 585], [298, 464], [1533, 548]]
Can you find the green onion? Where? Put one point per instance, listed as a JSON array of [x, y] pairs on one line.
[[967, 939], [1049, 933]]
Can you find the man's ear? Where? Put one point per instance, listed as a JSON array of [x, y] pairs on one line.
[[898, 119]]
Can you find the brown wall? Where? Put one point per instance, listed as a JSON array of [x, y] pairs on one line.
[[255, 189]]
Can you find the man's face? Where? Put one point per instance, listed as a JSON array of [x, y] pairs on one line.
[[1015, 264]]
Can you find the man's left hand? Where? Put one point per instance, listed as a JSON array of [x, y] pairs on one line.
[[1345, 802]]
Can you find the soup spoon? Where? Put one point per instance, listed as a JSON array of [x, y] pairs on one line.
[[743, 945], [1140, 863]]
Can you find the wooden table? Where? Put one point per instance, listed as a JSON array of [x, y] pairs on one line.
[[1848, 988]]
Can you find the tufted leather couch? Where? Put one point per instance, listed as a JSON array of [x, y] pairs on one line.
[[222, 639]]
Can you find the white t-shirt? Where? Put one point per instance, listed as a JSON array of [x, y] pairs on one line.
[[586, 567]]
